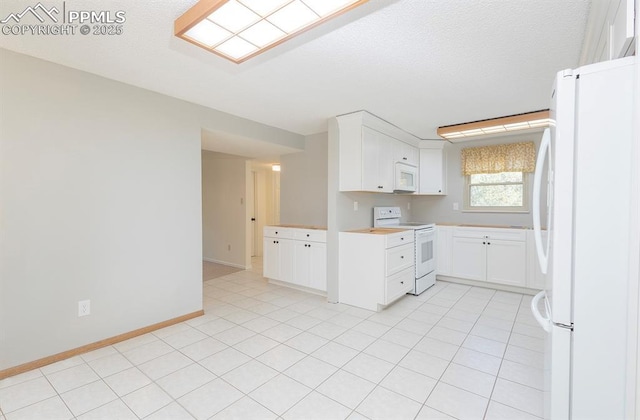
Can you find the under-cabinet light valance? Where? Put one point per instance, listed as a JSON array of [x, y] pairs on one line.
[[462, 132]]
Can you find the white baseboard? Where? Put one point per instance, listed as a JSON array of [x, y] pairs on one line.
[[230, 264]]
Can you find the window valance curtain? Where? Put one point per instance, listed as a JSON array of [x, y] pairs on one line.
[[513, 157]]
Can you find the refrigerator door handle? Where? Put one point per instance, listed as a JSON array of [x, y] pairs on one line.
[[537, 180], [545, 323]]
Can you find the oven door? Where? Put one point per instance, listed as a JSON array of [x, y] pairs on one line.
[[425, 251]]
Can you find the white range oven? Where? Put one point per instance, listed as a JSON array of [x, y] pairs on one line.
[[424, 243]]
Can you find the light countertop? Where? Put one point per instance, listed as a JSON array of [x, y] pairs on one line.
[[483, 226], [300, 226], [377, 231]]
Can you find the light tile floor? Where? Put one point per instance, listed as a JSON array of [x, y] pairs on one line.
[[267, 352]]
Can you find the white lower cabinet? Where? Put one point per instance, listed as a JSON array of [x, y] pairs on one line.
[[296, 256], [444, 237], [375, 269], [492, 255], [310, 265]]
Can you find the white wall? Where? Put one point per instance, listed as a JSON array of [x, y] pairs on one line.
[[223, 208], [100, 198], [440, 208], [303, 181]]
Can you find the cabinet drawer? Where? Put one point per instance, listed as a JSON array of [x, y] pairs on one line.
[[399, 258], [398, 285], [278, 232], [311, 235], [398, 239]]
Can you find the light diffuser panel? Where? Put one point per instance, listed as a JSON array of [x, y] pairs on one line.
[[293, 16], [262, 33], [208, 33], [233, 16], [236, 48], [264, 7], [326, 7]]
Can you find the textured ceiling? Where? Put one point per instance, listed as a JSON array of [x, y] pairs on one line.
[[419, 64]]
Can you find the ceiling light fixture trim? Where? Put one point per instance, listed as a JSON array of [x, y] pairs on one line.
[[241, 29], [526, 121]]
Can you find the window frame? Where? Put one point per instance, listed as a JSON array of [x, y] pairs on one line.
[[497, 209]]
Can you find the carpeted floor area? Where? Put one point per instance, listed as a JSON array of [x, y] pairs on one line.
[[213, 271]]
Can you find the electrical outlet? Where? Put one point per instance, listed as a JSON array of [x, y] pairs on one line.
[[408, 205], [84, 307], [229, 247], [455, 206], [355, 206]]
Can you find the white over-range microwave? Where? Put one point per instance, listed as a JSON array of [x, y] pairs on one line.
[[406, 178]]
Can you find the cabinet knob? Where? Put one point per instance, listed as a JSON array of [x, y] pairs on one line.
[[484, 243], [439, 190], [488, 243], [276, 232], [402, 239], [307, 235], [404, 158], [380, 187], [402, 256], [401, 282]]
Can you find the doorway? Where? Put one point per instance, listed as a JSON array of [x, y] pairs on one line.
[[263, 203]]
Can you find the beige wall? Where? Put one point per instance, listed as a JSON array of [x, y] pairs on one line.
[[303, 180], [100, 199], [223, 209]]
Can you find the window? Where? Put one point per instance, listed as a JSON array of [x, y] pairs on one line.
[[503, 191], [496, 177]]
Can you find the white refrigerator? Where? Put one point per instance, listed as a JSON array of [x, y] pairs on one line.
[[586, 157]]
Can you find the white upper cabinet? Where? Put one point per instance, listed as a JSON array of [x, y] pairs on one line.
[[433, 168], [405, 153], [377, 167], [369, 149]]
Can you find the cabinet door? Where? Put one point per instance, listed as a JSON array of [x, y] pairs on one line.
[[444, 235], [469, 258], [432, 177], [302, 261], [507, 262], [377, 161], [271, 258], [317, 265], [286, 260], [405, 153]]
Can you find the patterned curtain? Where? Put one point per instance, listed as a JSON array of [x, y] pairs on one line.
[[514, 157]]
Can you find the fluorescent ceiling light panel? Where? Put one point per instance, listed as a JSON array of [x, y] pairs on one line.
[[529, 120], [236, 48], [264, 7], [233, 16], [293, 16], [240, 29], [208, 33], [326, 7], [262, 33]]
